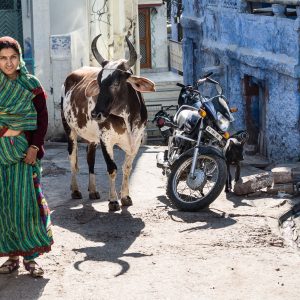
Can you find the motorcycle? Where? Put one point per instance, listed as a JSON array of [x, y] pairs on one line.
[[194, 161]]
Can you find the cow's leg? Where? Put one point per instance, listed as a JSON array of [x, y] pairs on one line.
[[73, 156], [112, 174], [127, 167], [91, 151]]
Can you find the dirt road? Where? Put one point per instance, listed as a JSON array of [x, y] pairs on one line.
[[152, 251]]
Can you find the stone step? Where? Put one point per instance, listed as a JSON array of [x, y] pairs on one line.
[[161, 95], [166, 94], [167, 86]]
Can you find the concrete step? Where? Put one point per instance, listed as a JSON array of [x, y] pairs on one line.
[[161, 98]]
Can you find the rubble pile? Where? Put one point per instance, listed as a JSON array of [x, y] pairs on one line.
[[279, 179]]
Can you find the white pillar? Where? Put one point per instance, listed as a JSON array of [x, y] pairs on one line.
[[41, 53], [118, 15], [41, 35]]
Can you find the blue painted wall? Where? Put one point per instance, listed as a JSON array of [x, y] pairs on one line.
[[222, 36]]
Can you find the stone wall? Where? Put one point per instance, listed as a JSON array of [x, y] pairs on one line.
[[224, 37]]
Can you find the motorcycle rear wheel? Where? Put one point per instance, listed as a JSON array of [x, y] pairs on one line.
[[189, 195]]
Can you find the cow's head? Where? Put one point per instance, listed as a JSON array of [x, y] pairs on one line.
[[115, 84]]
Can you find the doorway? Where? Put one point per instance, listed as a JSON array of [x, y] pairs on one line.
[[145, 37], [256, 96]]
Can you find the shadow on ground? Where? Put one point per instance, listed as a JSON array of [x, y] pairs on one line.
[[210, 218], [116, 231], [236, 200], [14, 286]]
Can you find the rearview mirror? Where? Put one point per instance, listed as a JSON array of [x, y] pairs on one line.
[[219, 89]]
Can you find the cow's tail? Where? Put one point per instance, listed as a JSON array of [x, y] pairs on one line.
[[63, 94], [63, 119]]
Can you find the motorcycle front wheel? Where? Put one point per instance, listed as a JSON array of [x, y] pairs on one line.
[[193, 194]]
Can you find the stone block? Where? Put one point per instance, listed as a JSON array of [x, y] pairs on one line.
[[282, 174], [280, 187], [253, 183]]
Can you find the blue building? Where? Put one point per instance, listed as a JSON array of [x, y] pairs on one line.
[[254, 50]]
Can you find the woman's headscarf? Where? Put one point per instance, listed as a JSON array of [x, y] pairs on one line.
[[17, 111], [28, 81]]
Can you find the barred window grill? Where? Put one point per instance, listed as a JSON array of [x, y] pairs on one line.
[[143, 54], [11, 19], [7, 4], [142, 24]]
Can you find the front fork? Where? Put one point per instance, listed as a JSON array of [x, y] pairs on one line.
[[196, 151]]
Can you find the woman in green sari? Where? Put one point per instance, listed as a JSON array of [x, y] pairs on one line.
[[24, 213]]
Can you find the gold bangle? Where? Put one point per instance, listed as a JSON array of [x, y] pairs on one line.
[[35, 147]]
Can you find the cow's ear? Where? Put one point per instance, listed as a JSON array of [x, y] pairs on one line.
[[92, 89], [141, 84]]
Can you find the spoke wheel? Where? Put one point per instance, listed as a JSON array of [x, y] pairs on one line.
[[191, 194]]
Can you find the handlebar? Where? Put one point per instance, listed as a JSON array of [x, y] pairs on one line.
[[207, 75], [180, 84], [202, 79], [188, 87], [168, 107]]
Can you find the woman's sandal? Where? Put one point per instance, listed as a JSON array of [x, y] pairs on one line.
[[33, 268], [9, 266]]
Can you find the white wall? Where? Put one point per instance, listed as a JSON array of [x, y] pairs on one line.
[[41, 51], [100, 25], [68, 15], [69, 50], [40, 11], [159, 40], [71, 17]]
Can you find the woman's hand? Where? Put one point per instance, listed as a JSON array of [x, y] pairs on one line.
[[30, 158]]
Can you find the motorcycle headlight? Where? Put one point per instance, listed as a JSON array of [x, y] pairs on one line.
[[222, 122]]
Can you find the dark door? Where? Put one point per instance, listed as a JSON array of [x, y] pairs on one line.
[[256, 95], [145, 37]]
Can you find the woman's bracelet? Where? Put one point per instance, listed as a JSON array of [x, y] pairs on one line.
[[35, 147]]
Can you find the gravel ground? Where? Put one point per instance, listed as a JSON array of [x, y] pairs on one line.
[[233, 250]]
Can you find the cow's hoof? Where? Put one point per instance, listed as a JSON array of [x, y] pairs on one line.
[[94, 195], [126, 201], [113, 206], [76, 195]]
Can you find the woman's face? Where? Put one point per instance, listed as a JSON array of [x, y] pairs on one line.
[[9, 62]]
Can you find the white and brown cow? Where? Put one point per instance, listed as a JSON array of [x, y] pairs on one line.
[[105, 105]]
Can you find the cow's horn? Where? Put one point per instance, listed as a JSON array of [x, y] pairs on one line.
[[95, 51], [133, 56]]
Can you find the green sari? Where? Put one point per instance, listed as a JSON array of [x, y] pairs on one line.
[[24, 213]]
